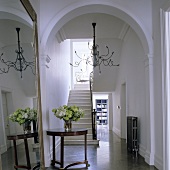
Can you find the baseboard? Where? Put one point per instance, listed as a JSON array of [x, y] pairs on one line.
[[149, 158], [158, 163], [142, 150], [117, 131]]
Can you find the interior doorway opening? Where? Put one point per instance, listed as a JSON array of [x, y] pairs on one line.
[[5, 116], [101, 105], [81, 68]]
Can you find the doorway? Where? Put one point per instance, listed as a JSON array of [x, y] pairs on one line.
[[6, 120], [101, 105]]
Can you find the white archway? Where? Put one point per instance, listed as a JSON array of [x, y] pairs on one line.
[[79, 8], [16, 15]]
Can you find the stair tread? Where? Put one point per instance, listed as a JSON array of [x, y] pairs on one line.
[[81, 140], [81, 98]]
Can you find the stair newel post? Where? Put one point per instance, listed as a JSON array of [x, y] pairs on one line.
[[94, 129]]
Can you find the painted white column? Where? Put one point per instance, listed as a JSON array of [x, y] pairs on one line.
[[165, 46], [44, 60], [150, 138]]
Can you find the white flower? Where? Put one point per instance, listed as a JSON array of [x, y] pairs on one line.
[[25, 115]]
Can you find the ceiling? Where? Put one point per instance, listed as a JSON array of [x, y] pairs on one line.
[[8, 45], [8, 34], [107, 26]]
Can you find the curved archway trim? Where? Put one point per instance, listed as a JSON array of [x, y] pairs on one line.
[[77, 9]]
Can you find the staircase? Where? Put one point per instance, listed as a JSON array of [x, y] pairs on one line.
[[80, 96]]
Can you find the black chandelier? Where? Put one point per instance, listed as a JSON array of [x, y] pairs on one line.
[[95, 59], [20, 64]]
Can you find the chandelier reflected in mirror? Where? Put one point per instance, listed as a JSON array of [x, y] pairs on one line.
[[95, 59], [20, 64]]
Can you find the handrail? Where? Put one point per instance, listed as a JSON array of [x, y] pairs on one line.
[[93, 112], [91, 89]]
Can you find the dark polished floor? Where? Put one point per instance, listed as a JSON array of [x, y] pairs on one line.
[[111, 155]]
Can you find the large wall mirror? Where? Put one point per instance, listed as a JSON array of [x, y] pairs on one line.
[[18, 90]]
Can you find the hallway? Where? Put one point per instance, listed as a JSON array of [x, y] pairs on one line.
[[111, 155]]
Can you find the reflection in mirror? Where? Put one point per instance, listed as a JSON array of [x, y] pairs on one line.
[[17, 92]]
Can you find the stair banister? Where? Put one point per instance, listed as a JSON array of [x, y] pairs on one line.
[[93, 112]]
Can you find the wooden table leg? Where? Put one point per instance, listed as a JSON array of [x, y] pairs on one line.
[[85, 146], [53, 160], [15, 153], [62, 152], [27, 154], [85, 151]]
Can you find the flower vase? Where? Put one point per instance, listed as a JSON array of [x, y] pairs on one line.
[[68, 125], [27, 127]]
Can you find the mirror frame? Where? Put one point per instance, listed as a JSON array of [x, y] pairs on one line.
[[31, 12]]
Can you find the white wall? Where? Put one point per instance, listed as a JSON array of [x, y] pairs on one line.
[[57, 85], [132, 73], [58, 79], [106, 81], [158, 84], [18, 99]]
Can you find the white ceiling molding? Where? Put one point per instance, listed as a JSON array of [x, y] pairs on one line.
[[77, 9], [124, 31], [61, 36]]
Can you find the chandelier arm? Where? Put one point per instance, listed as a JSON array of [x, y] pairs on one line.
[[102, 56], [106, 62], [78, 55], [108, 57], [26, 64], [9, 64], [89, 62], [32, 63], [20, 64], [90, 47], [109, 63], [30, 68], [76, 63], [99, 62], [94, 59], [105, 55], [4, 71]]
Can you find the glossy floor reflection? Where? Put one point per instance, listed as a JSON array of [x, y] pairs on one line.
[[8, 157], [110, 155]]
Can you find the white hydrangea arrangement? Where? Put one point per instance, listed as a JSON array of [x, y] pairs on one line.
[[67, 113], [23, 115]]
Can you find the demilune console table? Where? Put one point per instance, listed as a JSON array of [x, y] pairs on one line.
[[23, 136], [62, 133]]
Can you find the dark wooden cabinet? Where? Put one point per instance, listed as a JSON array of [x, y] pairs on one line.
[[132, 134]]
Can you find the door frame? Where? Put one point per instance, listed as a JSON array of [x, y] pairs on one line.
[[10, 108]]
